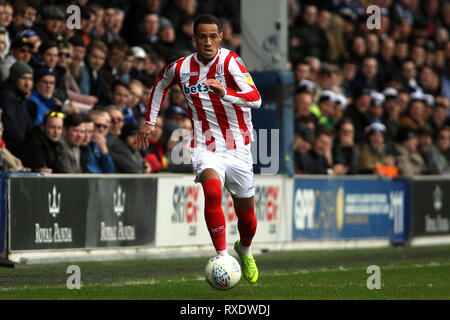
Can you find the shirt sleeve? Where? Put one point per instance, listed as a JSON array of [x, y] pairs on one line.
[[247, 96], [159, 92]]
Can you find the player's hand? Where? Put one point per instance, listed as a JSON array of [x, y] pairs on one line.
[[217, 87], [144, 133]]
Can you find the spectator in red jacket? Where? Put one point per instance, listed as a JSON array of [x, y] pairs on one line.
[[155, 151]]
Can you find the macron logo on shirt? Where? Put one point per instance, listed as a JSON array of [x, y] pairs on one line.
[[196, 88]]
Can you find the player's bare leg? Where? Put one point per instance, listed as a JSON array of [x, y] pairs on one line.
[[245, 211], [214, 217]]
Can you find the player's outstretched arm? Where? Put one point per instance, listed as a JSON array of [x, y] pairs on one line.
[[166, 79]]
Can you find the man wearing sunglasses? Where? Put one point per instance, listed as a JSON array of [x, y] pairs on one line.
[[96, 126]]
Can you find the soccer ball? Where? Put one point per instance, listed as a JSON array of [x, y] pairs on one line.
[[222, 272]]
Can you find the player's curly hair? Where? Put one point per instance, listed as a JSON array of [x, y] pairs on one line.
[[206, 19]]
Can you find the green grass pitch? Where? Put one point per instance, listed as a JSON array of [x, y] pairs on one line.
[[406, 273]]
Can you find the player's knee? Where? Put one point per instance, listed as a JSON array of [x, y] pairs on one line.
[[212, 190]]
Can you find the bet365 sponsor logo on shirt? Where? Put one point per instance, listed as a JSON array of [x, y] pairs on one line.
[[196, 88]]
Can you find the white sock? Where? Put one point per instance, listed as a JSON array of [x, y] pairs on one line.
[[225, 252], [244, 250]]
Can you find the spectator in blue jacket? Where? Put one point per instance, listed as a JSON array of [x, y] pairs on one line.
[[99, 159], [42, 94]]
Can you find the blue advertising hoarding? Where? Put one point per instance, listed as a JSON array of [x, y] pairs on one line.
[[344, 208]]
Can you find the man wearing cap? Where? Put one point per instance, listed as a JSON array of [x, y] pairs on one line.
[[21, 49], [32, 37], [52, 23], [340, 103], [410, 161], [166, 45], [376, 106], [176, 114], [19, 113], [125, 153], [139, 62], [373, 152], [42, 94]]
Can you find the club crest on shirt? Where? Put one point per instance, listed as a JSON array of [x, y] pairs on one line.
[[219, 69]]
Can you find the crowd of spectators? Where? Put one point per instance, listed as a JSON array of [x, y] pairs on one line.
[[371, 100], [72, 100], [366, 101]]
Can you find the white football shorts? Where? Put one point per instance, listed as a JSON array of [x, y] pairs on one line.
[[234, 167]]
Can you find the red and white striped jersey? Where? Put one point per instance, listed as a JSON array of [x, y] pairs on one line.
[[218, 123]]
